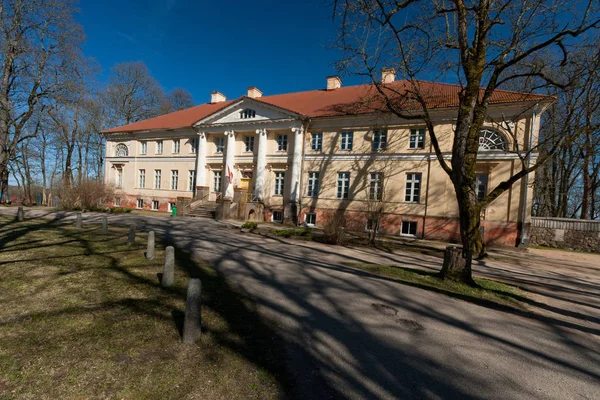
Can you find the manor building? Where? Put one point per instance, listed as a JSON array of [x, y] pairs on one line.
[[311, 156]]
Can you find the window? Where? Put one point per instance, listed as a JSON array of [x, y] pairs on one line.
[[159, 146], [409, 228], [218, 175], [491, 140], [119, 178], [277, 216], [140, 203], [316, 142], [118, 201], [174, 179], [249, 140], [313, 184], [417, 139], [372, 225], [379, 140], [194, 145], [310, 219], [413, 188], [347, 138], [481, 182], [282, 142], [220, 143], [155, 204], [157, 174], [144, 147], [279, 181], [142, 178], [191, 180], [343, 184], [170, 206], [176, 146], [247, 113], [375, 186], [121, 150]]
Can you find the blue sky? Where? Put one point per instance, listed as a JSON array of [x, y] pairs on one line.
[[278, 46]]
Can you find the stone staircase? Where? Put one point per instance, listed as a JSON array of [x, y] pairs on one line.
[[205, 209]]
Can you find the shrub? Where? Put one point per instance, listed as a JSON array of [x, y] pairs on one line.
[[120, 210], [250, 225], [87, 195], [334, 230]]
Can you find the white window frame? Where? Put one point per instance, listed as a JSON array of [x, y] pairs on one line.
[[247, 113], [279, 184], [139, 203], [142, 178], [119, 177], [316, 141], [174, 179], [314, 218], [376, 186], [412, 193], [368, 229], [117, 201], [143, 147], [343, 185], [416, 139], [380, 139], [176, 146], [312, 187], [408, 224], [159, 147], [155, 205], [347, 140], [219, 144], [481, 185], [273, 216], [170, 205], [249, 144], [194, 145], [217, 181], [157, 178], [282, 142], [191, 179]]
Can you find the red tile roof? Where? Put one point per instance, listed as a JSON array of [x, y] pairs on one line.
[[349, 100]]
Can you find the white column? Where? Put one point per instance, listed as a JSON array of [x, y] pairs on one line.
[[228, 166], [201, 160], [261, 162], [296, 160]]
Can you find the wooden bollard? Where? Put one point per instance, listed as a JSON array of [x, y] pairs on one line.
[[20, 214], [79, 222], [131, 237], [169, 269], [104, 225], [150, 248], [192, 324]]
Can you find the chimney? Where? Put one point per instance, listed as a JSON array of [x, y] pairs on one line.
[[388, 75], [254, 92], [217, 97], [334, 82]]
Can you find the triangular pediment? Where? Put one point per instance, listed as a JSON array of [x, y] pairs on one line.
[[245, 111]]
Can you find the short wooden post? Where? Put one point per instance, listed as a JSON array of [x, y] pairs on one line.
[[150, 247], [79, 221], [20, 214], [131, 237], [169, 269], [192, 324], [104, 225]]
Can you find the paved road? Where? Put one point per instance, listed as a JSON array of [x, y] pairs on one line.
[[350, 334]]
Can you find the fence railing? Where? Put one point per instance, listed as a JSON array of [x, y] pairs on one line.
[[566, 223]]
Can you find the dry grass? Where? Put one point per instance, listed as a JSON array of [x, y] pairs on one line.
[[83, 316]]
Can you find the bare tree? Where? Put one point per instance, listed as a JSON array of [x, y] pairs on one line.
[[485, 45], [38, 41], [176, 100]]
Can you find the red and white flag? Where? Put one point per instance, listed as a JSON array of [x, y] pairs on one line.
[[229, 175]]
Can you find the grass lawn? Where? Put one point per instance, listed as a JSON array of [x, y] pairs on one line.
[[490, 293], [84, 316]]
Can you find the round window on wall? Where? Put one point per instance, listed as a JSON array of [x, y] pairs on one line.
[[121, 150], [490, 140]]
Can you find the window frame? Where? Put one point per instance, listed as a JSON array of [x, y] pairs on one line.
[[194, 145], [139, 203], [157, 203], [143, 147], [176, 146], [174, 179], [314, 215], [409, 223], [412, 181], [376, 186], [312, 184], [380, 137], [157, 178], [273, 216], [247, 113], [282, 142], [251, 147], [316, 141], [219, 145], [279, 183], [142, 178], [478, 184], [416, 139], [347, 140], [191, 179], [343, 183], [117, 202], [159, 147], [217, 178], [370, 229]]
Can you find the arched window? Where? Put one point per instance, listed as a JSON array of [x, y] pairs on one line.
[[247, 113], [491, 140], [121, 150]]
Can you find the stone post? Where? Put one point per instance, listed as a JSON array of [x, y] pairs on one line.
[[104, 225], [150, 247], [20, 214], [131, 237], [261, 162], [169, 269], [192, 325], [78, 222]]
